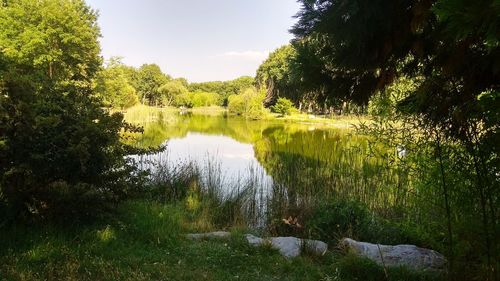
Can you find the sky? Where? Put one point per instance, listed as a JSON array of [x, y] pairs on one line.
[[200, 40]]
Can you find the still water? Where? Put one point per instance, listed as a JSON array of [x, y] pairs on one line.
[[298, 163]]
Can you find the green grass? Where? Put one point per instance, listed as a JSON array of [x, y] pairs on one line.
[[341, 122], [145, 241]]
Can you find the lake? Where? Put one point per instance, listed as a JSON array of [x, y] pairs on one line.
[[287, 166]]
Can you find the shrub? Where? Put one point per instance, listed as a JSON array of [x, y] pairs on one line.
[[283, 106], [249, 103], [339, 219], [342, 218], [204, 99], [60, 151]]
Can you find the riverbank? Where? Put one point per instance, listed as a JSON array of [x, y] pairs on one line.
[[137, 114], [144, 240]]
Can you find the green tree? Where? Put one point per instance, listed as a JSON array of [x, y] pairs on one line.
[[234, 87], [204, 99], [277, 74], [354, 49], [60, 152], [184, 99], [224, 89], [149, 79], [249, 103], [171, 90], [114, 87]]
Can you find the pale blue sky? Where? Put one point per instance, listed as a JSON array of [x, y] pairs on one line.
[[201, 40]]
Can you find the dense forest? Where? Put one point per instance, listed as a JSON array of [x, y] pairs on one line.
[[426, 73]]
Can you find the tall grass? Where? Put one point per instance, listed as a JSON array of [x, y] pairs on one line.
[[212, 197], [303, 179]]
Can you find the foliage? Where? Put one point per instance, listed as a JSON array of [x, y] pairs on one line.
[[441, 200], [171, 90], [249, 103], [355, 49], [283, 106], [352, 267], [200, 99], [61, 155], [337, 219], [149, 80], [114, 87], [224, 89], [184, 99], [150, 236], [451, 48], [384, 103], [277, 74]]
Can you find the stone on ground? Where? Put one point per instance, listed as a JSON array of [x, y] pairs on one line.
[[288, 247], [409, 256]]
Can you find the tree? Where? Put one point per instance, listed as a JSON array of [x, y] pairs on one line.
[[114, 87], [278, 75], [204, 99], [60, 152], [171, 90], [364, 47], [234, 87], [249, 103], [354, 49], [149, 79], [224, 89]]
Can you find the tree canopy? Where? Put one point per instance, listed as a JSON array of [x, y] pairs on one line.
[[60, 151], [357, 48], [114, 86], [279, 76], [224, 89], [149, 80]]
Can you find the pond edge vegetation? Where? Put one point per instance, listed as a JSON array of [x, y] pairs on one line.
[[75, 207]]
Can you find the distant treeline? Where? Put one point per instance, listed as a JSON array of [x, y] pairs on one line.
[[122, 86]]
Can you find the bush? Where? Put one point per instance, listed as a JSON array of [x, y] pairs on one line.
[[204, 99], [249, 103], [283, 106], [342, 218], [60, 151], [352, 267]]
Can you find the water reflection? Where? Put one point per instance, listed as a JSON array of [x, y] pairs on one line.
[[292, 166], [234, 162]]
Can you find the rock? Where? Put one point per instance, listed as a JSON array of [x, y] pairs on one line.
[[217, 234], [254, 240], [288, 247], [410, 256], [316, 247]]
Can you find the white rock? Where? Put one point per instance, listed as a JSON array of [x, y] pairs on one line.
[[293, 247], [217, 234], [410, 256], [254, 240], [316, 247], [288, 247]]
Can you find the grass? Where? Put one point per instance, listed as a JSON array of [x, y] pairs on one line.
[[341, 122], [141, 114], [144, 240]]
